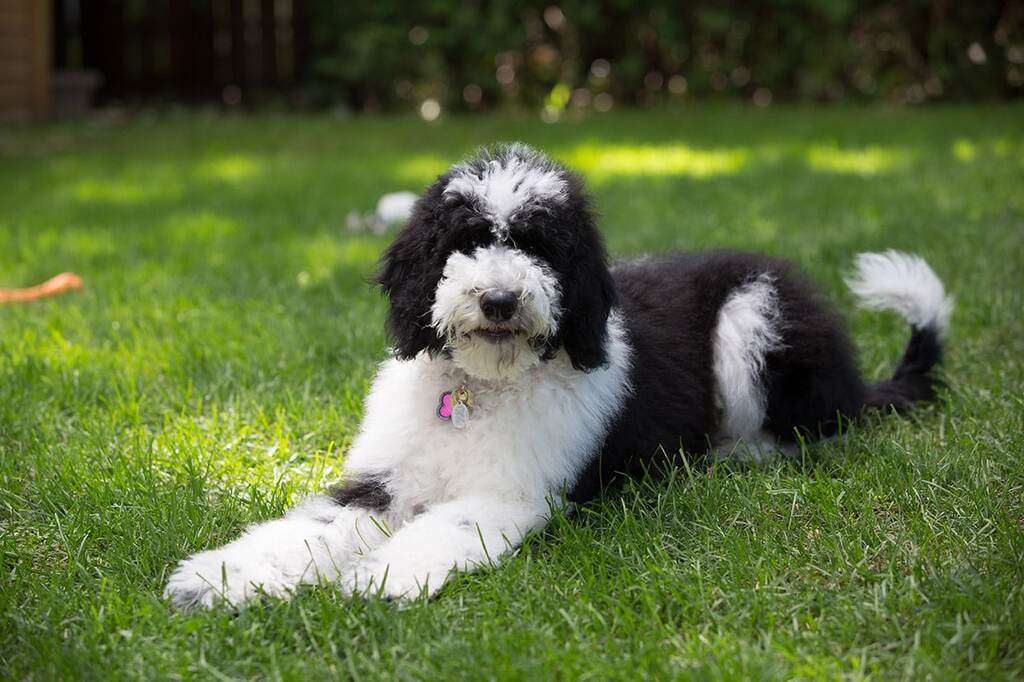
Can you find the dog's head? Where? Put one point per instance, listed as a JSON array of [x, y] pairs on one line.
[[500, 267]]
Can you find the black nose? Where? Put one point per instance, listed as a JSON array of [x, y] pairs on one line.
[[499, 306]]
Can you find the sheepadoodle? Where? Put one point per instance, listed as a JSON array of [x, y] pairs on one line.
[[527, 374]]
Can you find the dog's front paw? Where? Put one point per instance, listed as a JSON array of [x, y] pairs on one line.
[[402, 580], [208, 579]]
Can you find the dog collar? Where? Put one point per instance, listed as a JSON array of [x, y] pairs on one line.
[[454, 406]]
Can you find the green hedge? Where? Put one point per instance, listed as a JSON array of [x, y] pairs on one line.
[[388, 54]]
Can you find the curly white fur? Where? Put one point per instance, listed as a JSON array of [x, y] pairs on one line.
[[520, 180], [461, 498], [903, 283], [748, 329], [456, 312]]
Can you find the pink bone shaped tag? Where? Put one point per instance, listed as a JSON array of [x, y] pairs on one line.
[[444, 409]]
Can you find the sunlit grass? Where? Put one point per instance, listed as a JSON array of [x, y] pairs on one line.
[[212, 373], [323, 255], [232, 168], [871, 160], [421, 169], [200, 229], [123, 192], [601, 162], [964, 150]]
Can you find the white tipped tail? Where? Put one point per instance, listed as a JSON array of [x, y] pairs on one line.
[[905, 284]]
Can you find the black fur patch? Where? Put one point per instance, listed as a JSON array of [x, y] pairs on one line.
[[671, 304], [913, 380], [366, 493]]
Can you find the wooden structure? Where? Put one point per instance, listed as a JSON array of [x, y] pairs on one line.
[[228, 51], [25, 49], [58, 57]]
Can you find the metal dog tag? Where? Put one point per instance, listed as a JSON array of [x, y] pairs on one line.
[[460, 415]]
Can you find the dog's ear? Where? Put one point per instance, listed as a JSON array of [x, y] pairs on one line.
[[585, 317], [408, 277], [588, 294]]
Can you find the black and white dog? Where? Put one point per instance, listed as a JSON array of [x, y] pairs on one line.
[[526, 373]]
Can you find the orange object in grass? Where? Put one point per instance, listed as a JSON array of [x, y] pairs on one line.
[[55, 286]]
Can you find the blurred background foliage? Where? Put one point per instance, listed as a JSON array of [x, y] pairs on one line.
[[559, 57], [581, 54]]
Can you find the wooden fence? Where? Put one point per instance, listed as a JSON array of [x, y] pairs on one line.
[[24, 60], [230, 51]]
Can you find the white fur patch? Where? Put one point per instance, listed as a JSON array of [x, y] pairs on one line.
[[456, 312], [307, 546], [748, 329], [460, 498], [903, 283], [518, 178], [759, 449]]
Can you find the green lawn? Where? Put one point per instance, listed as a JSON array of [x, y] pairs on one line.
[[212, 373]]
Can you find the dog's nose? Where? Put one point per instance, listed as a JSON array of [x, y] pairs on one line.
[[499, 306]]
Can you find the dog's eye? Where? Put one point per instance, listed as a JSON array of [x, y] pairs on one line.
[[533, 244], [470, 235]]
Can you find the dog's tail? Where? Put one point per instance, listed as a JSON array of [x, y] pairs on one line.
[[907, 285]]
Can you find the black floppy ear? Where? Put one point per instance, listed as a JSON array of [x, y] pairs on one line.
[[408, 277], [588, 294], [585, 316]]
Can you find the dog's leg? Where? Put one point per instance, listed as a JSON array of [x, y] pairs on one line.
[[313, 542], [460, 535]]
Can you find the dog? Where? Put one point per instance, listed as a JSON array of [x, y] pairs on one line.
[[527, 374]]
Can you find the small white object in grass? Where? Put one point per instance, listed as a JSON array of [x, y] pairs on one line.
[[392, 208]]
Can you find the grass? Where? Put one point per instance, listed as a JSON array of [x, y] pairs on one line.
[[213, 371]]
